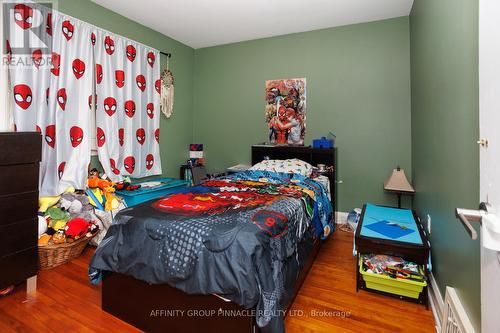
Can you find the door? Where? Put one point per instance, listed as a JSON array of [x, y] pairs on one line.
[[489, 125]]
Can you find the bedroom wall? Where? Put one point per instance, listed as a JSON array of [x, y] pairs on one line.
[[445, 127], [176, 132], [358, 85]]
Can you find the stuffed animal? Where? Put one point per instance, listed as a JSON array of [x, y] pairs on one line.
[[77, 228], [58, 218], [96, 182], [42, 225], [59, 237], [45, 202], [44, 240], [94, 172], [101, 193], [77, 205], [72, 207], [93, 229], [111, 200]]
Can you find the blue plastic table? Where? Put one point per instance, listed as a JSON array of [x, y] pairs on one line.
[[143, 194], [390, 224], [391, 231]]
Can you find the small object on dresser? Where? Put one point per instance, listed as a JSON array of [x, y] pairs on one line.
[[325, 143]]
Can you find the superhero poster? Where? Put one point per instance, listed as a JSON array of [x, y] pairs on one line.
[[286, 111]]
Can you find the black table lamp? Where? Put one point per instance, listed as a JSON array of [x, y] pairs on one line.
[[398, 183]]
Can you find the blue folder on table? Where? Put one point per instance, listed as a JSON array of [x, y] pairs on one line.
[[389, 229], [390, 224]]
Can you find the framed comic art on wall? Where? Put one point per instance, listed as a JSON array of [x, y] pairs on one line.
[[286, 111]]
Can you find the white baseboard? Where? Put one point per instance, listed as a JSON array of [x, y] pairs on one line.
[[436, 302], [341, 217]]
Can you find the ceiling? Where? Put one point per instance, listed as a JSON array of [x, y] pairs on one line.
[[203, 23]]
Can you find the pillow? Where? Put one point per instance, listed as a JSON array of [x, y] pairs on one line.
[[293, 165]]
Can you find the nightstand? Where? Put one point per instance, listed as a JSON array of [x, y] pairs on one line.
[[394, 232]]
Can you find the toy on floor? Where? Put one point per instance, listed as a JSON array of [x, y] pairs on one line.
[[57, 218], [77, 228], [42, 225], [45, 203], [100, 187], [95, 198], [126, 186], [78, 205], [59, 237], [44, 240], [96, 182], [72, 206]]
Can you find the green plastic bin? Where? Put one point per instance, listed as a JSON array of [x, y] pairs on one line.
[[387, 284]]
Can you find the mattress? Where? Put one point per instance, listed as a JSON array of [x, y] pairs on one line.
[[244, 238]]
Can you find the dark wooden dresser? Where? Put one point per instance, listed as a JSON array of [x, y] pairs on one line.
[[20, 154]]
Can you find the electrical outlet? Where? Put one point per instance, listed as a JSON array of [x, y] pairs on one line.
[[429, 223]]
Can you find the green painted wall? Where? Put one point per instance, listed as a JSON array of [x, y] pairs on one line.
[[445, 126], [176, 132], [358, 85]]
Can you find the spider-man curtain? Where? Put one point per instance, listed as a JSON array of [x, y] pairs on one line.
[[54, 92], [50, 92], [127, 114]]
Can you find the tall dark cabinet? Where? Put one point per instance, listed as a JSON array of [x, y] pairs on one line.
[[20, 155]]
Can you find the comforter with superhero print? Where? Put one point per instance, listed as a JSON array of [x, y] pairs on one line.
[[242, 237]]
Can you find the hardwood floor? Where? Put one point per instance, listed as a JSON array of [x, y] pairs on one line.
[[66, 302]]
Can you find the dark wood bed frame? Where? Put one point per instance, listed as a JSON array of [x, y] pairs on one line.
[[158, 308]]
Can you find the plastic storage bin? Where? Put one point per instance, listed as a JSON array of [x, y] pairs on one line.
[[387, 284], [141, 195]]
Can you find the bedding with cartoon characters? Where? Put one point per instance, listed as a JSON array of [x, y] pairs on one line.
[[244, 237]]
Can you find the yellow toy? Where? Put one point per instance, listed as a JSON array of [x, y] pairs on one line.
[[110, 198], [45, 202], [102, 187], [96, 200], [57, 224]]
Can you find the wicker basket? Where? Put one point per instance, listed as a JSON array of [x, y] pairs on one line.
[[50, 256]]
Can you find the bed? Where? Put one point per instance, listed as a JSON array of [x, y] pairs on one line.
[[226, 256]]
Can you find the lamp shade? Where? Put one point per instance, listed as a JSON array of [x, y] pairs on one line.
[[398, 182]]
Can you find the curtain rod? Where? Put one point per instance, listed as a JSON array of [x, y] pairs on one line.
[[168, 55]]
